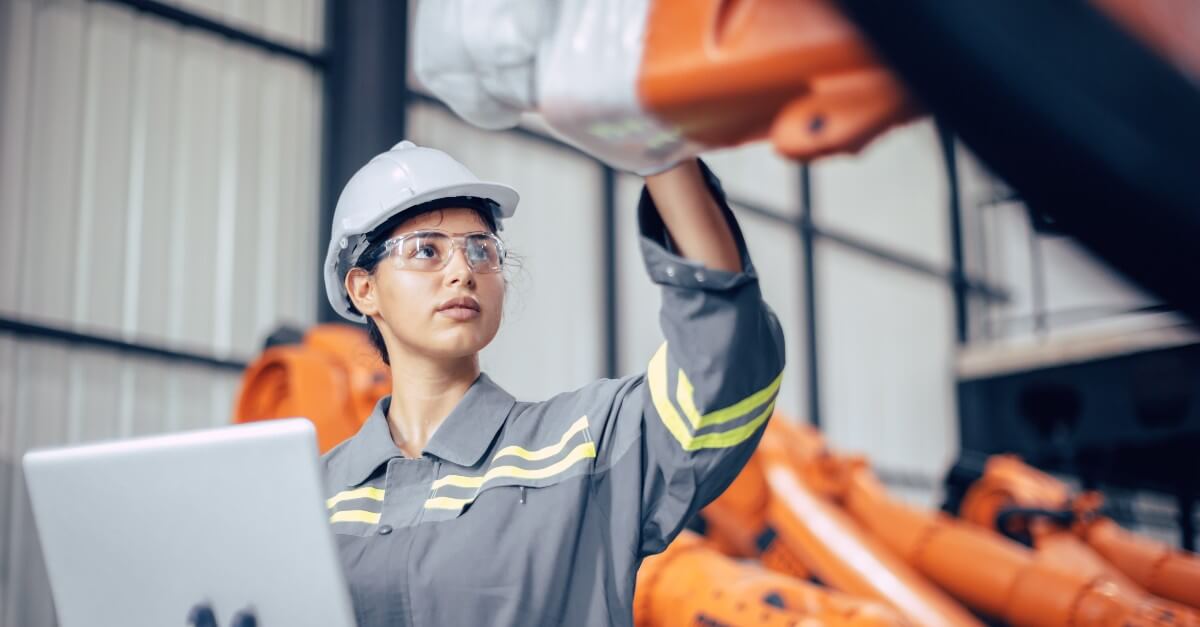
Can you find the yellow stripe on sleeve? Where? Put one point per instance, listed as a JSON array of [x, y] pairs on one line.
[[656, 375], [685, 394]]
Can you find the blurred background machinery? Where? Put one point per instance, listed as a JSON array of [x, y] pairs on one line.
[[167, 170]]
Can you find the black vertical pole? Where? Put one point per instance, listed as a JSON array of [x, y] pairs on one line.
[[807, 237], [611, 354], [366, 98], [1187, 520], [957, 266]]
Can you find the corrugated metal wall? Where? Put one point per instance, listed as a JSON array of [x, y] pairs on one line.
[[157, 185]]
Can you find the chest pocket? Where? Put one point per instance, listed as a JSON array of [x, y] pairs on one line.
[[356, 511], [514, 466]]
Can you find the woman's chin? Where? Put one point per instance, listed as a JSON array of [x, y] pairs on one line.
[[455, 346]]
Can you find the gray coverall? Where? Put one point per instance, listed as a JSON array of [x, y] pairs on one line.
[[540, 513]]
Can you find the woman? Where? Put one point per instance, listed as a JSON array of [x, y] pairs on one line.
[[456, 504]]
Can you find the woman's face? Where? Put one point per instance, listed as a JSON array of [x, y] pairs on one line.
[[445, 314]]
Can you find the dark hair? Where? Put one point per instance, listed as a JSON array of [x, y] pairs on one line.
[[376, 251]]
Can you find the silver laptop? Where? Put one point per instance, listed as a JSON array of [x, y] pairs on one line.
[[139, 532]]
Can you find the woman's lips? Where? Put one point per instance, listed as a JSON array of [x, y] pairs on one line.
[[462, 314]]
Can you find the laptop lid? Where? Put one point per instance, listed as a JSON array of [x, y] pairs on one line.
[[137, 532]]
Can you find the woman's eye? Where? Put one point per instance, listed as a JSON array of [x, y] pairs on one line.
[[425, 252]]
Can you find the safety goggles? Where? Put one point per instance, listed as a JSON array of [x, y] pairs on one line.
[[430, 251]]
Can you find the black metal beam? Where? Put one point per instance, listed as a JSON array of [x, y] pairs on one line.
[[612, 362], [366, 100], [27, 329], [809, 288], [901, 260], [189, 19]]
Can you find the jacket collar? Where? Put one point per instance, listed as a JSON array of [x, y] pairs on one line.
[[463, 438]]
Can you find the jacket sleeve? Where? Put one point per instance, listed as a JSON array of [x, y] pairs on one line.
[[679, 434]]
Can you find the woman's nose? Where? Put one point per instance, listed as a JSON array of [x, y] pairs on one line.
[[459, 269]]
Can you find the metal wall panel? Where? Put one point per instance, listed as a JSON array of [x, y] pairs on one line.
[[8, 465], [886, 350], [894, 193], [103, 196], [551, 339], [777, 257], [157, 184], [16, 78], [52, 175], [298, 23], [148, 225]]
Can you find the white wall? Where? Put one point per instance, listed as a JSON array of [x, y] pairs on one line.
[[157, 185]]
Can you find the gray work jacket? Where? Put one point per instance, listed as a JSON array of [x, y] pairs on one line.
[[540, 513]]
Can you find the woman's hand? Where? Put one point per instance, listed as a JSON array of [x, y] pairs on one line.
[[693, 218]]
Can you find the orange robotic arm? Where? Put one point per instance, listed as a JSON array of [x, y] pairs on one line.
[[770, 512], [998, 576], [693, 584], [843, 526], [1010, 486], [794, 71]]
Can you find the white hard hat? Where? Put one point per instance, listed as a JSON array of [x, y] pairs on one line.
[[392, 182]]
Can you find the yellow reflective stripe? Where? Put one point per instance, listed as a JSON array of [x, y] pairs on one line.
[[445, 502], [583, 451], [367, 492], [684, 393], [459, 481], [549, 451], [656, 375], [355, 515], [733, 437], [586, 450]]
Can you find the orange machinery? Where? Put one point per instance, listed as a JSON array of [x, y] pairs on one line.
[[799, 73], [1015, 499], [836, 521], [333, 377], [794, 71]]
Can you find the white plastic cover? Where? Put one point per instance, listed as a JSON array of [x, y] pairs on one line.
[[574, 62]]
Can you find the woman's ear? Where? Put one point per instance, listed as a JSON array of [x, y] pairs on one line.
[[361, 288]]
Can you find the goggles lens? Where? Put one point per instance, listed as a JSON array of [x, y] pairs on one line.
[[429, 251]]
